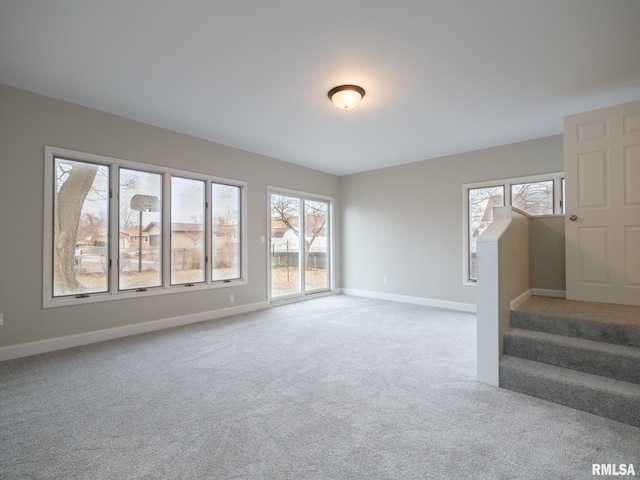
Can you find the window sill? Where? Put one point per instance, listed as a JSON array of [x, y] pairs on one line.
[[50, 302]]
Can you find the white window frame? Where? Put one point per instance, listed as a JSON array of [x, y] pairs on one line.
[[271, 190], [166, 288], [556, 177]]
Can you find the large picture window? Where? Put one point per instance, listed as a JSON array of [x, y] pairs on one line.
[[535, 195], [115, 228]]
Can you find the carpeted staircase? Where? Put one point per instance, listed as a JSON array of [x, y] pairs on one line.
[[579, 354]]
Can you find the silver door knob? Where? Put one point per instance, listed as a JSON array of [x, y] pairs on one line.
[[573, 218]]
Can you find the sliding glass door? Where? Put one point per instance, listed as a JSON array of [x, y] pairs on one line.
[[316, 272], [299, 247], [285, 245]]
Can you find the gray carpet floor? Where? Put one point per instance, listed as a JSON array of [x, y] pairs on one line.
[[334, 388]]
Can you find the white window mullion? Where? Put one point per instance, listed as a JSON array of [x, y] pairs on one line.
[[244, 266], [302, 266], [166, 230], [47, 250], [329, 246], [207, 224], [114, 229], [557, 194]]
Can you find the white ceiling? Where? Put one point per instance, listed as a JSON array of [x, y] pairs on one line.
[[441, 76]]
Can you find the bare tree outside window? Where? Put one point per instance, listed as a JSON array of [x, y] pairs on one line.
[[535, 198], [292, 249], [128, 216], [535, 195], [285, 245], [315, 245], [81, 202], [91, 249], [194, 231], [481, 204]]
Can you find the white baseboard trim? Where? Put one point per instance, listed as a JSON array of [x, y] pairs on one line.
[[520, 299], [429, 302], [544, 292], [59, 343]]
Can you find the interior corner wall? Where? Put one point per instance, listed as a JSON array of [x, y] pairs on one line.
[[405, 223], [546, 235], [29, 121]]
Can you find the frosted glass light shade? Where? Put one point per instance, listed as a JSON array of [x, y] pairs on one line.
[[346, 96]]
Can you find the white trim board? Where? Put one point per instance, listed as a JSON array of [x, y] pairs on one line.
[[537, 292], [520, 299], [429, 302], [545, 292], [60, 343]]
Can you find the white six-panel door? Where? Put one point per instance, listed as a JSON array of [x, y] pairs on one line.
[[602, 179]]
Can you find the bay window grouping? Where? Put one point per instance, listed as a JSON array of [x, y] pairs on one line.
[[114, 227]]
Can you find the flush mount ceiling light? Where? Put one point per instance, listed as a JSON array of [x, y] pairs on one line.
[[346, 96]]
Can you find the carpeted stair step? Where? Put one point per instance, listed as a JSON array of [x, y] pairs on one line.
[[618, 324], [599, 358], [601, 396]]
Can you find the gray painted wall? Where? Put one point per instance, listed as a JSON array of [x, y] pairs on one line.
[[28, 122], [405, 222], [546, 235], [402, 222]]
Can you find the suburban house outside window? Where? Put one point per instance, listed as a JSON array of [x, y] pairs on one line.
[[188, 243], [116, 229], [535, 195], [140, 213]]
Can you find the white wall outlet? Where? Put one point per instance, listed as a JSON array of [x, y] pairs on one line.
[[262, 239], [385, 279], [232, 298], [1, 318]]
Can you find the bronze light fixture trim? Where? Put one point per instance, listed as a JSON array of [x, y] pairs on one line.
[[346, 96]]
